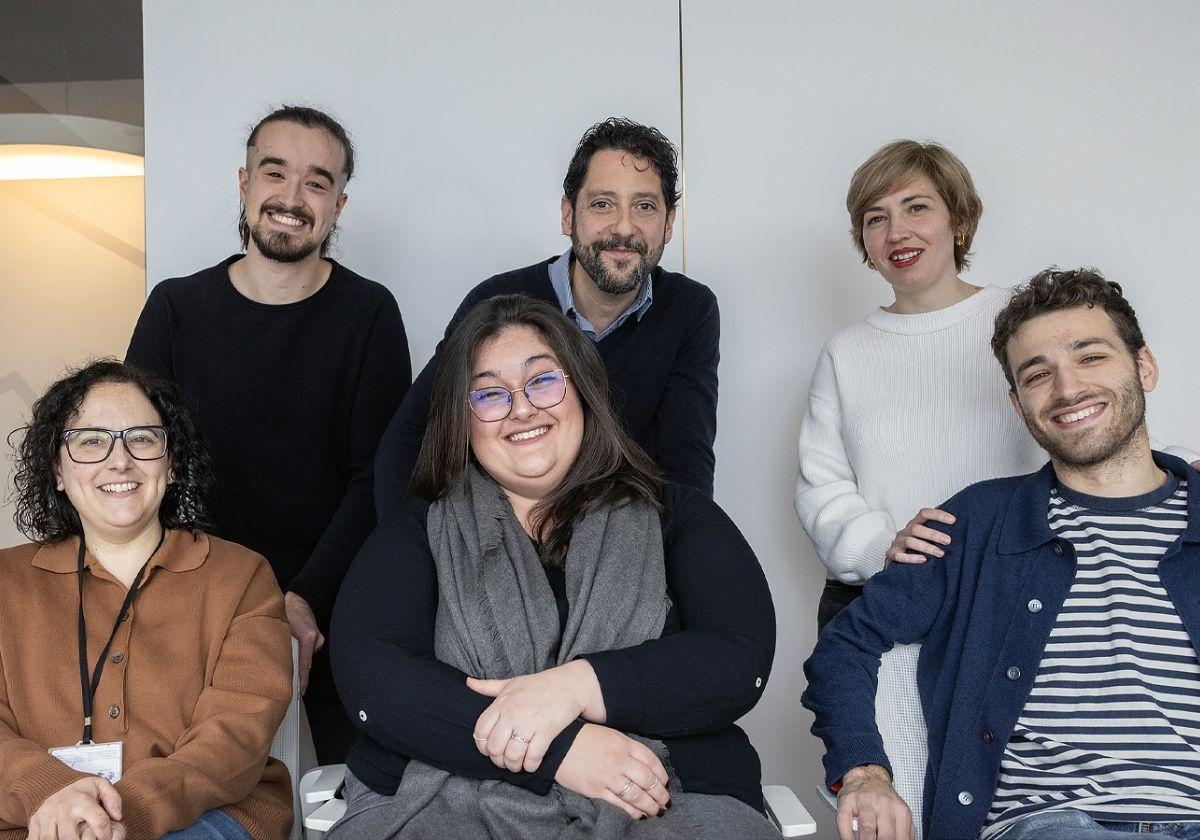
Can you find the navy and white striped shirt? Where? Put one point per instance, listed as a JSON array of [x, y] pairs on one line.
[[1112, 724]]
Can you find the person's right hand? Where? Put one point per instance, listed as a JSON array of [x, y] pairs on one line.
[[600, 763], [916, 537], [867, 794], [92, 802]]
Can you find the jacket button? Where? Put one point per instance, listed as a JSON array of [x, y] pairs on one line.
[[1058, 549], [118, 658], [758, 682], [362, 716], [1035, 605], [1013, 672], [965, 797], [987, 736], [114, 711]]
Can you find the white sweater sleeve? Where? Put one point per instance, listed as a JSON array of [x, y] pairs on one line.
[[849, 536]]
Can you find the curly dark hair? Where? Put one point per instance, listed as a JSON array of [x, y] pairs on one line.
[[610, 468], [625, 135], [1054, 289], [45, 514]]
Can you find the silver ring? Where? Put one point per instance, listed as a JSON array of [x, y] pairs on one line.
[[478, 739], [516, 737], [625, 788], [653, 785]]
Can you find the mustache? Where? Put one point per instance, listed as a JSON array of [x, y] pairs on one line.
[[298, 212], [1060, 404], [628, 243]]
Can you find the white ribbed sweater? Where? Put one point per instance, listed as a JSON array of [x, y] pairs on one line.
[[903, 412]]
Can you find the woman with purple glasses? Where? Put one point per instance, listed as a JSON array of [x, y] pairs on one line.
[[550, 642]]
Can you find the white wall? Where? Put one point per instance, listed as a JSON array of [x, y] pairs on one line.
[[464, 114], [1076, 118]]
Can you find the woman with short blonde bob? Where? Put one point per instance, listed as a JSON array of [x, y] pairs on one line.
[[906, 407]]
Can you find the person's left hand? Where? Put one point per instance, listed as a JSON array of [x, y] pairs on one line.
[[305, 631], [536, 707]]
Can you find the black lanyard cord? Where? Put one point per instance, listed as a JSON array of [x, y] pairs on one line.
[[89, 686]]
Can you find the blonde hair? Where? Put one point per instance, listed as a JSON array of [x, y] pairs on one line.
[[901, 161]]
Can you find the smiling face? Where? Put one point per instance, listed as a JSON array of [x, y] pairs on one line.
[[620, 223], [118, 498], [291, 189], [531, 450], [1078, 388], [908, 236]]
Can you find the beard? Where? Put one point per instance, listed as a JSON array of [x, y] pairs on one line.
[[1127, 414], [590, 257], [282, 246]]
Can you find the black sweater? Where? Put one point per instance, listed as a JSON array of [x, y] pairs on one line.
[[687, 687], [662, 376], [291, 401]]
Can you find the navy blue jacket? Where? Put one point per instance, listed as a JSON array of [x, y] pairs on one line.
[[984, 615]]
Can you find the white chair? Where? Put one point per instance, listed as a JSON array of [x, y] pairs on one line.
[[321, 810]]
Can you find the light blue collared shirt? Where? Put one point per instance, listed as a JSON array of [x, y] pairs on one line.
[[560, 279]]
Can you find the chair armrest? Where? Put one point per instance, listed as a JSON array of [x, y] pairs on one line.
[[786, 811], [324, 817], [321, 783]]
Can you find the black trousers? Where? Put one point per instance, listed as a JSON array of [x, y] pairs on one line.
[[834, 598], [333, 730]]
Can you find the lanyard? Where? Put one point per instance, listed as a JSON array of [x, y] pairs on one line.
[[89, 687]]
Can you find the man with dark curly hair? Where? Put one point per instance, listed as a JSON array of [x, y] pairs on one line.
[[1059, 675], [657, 331], [292, 365]]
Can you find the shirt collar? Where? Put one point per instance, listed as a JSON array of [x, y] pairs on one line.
[[1026, 525], [181, 552], [560, 279]]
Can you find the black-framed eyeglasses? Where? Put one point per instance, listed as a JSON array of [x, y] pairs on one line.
[[91, 446], [494, 403]]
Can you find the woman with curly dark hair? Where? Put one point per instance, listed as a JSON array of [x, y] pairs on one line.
[[144, 665]]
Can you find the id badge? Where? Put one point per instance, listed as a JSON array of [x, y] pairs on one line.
[[102, 760]]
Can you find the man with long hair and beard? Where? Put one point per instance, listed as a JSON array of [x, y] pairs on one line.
[[657, 331], [292, 366], [1058, 674]]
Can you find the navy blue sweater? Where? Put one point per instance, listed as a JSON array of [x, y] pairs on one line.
[[291, 400], [688, 687], [984, 614], [662, 376]]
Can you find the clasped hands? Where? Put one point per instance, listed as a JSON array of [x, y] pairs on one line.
[[530, 711], [87, 809]]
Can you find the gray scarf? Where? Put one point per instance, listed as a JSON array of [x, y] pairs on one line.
[[497, 618]]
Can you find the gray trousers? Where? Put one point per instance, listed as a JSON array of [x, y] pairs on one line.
[[692, 816]]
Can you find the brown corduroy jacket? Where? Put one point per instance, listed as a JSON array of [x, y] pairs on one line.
[[195, 684]]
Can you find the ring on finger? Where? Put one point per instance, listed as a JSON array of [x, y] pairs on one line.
[[519, 738], [477, 739], [625, 788], [653, 785]]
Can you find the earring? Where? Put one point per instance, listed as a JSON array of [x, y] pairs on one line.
[[959, 239], [871, 265]]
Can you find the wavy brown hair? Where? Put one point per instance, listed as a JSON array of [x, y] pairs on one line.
[[45, 514], [610, 468]]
